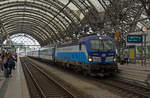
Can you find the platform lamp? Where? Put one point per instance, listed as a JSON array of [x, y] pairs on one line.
[[143, 44]]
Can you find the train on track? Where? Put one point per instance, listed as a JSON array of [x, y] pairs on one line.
[[94, 55]]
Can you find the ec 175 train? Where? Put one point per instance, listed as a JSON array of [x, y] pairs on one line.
[[94, 55]]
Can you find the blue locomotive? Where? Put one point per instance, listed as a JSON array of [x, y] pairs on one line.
[[94, 55]]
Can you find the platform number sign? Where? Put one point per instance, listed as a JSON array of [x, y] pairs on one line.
[[134, 38]]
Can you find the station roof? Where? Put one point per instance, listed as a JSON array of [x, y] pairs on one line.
[[51, 21]]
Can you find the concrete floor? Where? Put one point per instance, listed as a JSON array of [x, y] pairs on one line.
[[15, 86], [136, 72]]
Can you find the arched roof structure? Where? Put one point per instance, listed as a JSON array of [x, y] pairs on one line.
[[51, 21], [46, 20]]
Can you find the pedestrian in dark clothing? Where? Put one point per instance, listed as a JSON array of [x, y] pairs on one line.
[[14, 60], [1, 62], [10, 64], [16, 57], [2, 55], [126, 57], [5, 63]]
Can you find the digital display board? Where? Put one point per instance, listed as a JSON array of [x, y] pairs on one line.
[[134, 38]]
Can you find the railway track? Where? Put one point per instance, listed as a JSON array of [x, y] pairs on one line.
[[41, 85], [132, 89]]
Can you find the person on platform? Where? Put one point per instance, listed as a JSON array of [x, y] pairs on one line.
[[5, 63], [1, 64], [10, 63], [1, 61], [14, 60], [126, 57], [16, 57]]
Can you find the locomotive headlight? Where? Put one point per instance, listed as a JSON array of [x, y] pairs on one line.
[[90, 59], [115, 59], [100, 38]]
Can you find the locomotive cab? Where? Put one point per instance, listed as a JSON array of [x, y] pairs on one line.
[[101, 54], [104, 49]]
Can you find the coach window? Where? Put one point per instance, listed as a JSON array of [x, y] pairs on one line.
[[80, 46]]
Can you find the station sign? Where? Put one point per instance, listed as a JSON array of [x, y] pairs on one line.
[[134, 38]]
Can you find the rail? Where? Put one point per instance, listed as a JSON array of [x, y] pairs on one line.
[[41, 85]]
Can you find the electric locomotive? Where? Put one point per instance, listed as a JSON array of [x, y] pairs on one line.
[[92, 55]]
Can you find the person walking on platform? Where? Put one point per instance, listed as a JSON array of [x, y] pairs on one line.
[[126, 57], [1, 64], [2, 58], [16, 57], [10, 64], [14, 60], [5, 63]]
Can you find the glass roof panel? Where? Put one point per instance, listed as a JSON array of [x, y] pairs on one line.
[[72, 6], [64, 1], [97, 5], [24, 39]]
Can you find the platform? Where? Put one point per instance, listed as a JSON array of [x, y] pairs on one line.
[[136, 72], [15, 86]]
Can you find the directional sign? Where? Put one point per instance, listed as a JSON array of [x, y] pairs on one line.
[[134, 38]]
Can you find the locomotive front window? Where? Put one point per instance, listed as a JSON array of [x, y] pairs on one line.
[[102, 45], [108, 45], [96, 45]]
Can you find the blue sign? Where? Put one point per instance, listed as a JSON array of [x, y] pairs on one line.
[[134, 38]]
